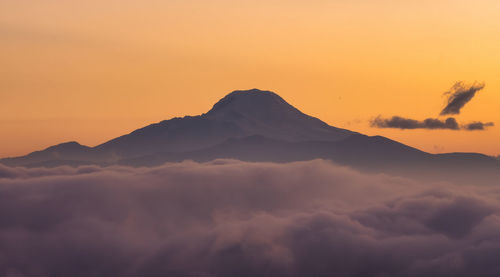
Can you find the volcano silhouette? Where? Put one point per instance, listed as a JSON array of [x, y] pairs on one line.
[[255, 125]]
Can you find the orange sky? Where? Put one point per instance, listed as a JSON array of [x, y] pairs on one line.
[[93, 70]]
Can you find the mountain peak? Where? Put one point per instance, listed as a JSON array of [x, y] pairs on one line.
[[265, 113], [251, 91], [248, 99], [67, 146]]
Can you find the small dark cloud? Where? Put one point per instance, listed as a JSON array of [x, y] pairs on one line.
[[459, 95], [477, 126], [407, 123], [433, 123]]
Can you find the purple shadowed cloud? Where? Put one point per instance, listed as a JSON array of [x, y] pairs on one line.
[[232, 218]]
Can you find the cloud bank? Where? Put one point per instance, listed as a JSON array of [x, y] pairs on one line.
[[407, 123], [459, 95], [450, 123], [231, 218]]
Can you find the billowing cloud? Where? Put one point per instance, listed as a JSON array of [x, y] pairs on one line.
[[459, 95], [477, 125], [231, 218], [407, 123]]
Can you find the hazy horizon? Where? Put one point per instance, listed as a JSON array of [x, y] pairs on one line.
[[92, 71]]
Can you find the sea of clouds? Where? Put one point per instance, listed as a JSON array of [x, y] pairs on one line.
[[233, 218]]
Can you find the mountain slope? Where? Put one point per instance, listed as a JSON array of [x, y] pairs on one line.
[[69, 151], [369, 154], [356, 150], [267, 114], [239, 114]]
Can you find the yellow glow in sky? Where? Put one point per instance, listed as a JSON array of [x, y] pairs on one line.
[[93, 70]]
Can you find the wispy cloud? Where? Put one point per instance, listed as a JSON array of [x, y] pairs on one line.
[[459, 95]]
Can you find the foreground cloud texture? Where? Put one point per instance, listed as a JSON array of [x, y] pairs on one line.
[[231, 218], [459, 95]]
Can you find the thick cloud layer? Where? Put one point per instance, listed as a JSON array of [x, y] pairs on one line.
[[231, 218], [459, 95], [407, 123]]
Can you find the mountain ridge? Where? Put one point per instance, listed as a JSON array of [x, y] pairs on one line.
[[255, 125], [240, 113]]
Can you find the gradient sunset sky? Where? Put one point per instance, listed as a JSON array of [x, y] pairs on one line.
[[92, 70]]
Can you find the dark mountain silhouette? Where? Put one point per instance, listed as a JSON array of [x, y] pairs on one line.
[[256, 125], [239, 114], [72, 153]]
